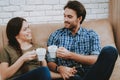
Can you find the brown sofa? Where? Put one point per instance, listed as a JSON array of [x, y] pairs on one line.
[[41, 33]]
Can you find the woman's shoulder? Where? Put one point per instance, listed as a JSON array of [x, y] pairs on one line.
[[6, 53], [7, 48]]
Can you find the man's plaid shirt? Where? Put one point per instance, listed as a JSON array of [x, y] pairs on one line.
[[85, 42]]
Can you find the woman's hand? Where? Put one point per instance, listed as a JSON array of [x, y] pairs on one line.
[[30, 55], [66, 72]]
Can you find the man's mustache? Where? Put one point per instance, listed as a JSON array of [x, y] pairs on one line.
[[66, 22]]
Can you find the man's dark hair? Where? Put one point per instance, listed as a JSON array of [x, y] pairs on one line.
[[78, 7]]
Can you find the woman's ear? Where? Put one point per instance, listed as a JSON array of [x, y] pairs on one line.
[[17, 37]]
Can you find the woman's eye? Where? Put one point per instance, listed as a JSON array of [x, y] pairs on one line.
[[26, 28]]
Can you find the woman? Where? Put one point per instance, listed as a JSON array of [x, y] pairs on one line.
[[18, 58]]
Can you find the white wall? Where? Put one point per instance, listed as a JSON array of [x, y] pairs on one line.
[[48, 11]]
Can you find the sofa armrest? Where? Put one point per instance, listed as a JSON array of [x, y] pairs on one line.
[[1, 38], [116, 71]]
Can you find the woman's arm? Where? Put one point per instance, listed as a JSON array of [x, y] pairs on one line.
[[55, 75], [44, 63], [8, 71]]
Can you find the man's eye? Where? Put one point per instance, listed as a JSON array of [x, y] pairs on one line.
[[70, 16]]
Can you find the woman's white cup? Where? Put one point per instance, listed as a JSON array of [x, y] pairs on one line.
[[41, 53], [52, 51]]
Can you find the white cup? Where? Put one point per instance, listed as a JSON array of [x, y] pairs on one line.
[[41, 53], [52, 51]]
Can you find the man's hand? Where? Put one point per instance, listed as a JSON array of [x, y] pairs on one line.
[[66, 72], [63, 53]]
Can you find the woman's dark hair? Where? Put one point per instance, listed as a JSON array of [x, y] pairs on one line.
[[78, 7], [13, 28]]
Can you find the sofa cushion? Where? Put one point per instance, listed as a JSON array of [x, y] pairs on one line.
[[104, 30], [1, 39], [4, 37], [116, 71], [41, 32]]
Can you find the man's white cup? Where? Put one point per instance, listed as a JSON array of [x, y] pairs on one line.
[[52, 51], [41, 53]]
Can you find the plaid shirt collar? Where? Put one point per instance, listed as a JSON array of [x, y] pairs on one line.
[[67, 31]]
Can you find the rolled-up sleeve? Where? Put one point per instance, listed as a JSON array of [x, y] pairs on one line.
[[51, 41], [95, 43]]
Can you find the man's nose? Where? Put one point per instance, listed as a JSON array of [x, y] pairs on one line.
[[65, 19]]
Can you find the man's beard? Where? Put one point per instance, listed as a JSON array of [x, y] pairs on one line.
[[72, 27]]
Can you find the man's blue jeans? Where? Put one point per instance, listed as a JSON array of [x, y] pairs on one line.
[[103, 67], [41, 73]]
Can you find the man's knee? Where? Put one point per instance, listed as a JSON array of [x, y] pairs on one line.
[[110, 51]]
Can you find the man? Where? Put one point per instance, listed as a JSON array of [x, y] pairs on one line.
[[79, 49]]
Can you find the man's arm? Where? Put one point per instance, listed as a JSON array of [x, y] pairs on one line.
[[84, 59], [64, 71], [52, 66]]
